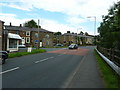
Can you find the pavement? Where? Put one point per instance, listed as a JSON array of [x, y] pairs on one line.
[[87, 74], [57, 68]]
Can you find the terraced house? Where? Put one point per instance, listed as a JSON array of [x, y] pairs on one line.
[[69, 38], [30, 35], [1, 34]]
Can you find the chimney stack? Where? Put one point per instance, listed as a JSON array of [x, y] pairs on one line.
[[10, 24], [20, 25]]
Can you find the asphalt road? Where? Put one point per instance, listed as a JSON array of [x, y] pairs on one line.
[[61, 68]]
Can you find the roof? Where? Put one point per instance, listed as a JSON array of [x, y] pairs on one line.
[[14, 36], [2, 21], [70, 34], [25, 28]]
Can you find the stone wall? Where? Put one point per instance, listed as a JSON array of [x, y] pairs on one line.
[[1, 34]]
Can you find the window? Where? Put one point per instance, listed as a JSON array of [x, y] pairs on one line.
[[17, 32], [27, 39], [47, 36], [27, 33], [13, 43], [23, 40], [36, 35]]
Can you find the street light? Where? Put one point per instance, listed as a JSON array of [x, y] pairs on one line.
[[94, 23], [38, 44], [77, 34]]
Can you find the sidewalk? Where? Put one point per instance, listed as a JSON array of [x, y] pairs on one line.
[[87, 75]]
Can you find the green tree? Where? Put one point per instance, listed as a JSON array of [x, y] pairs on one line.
[[81, 33], [110, 28], [58, 33], [86, 34], [31, 24]]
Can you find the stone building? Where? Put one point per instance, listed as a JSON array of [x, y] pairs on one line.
[[1, 34], [30, 36]]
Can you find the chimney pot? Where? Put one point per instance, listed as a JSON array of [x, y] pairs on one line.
[[20, 25], [10, 24]]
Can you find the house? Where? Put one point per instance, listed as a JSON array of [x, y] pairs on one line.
[[9, 41], [32, 36], [1, 35], [69, 38]]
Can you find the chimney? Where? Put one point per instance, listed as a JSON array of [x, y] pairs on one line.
[[68, 31], [20, 25], [10, 24], [72, 32]]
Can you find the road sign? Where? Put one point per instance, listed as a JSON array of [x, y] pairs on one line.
[[36, 41]]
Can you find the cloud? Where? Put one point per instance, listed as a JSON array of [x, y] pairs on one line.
[[7, 18], [69, 7], [75, 21], [76, 10], [47, 24]]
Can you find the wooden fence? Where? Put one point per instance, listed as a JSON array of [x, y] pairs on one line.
[[112, 54]]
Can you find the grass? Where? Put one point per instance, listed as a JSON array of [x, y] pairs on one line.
[[110, 78], [18, 54]]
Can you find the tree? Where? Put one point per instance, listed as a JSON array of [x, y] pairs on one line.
[[81, 33], [86, 34], [110, 28], [58, 33], [31, 24]]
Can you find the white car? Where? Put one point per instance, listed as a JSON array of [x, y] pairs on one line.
[[73, 46], [21, 46]]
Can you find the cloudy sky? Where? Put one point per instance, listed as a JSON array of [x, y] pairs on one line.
[[56, 15]]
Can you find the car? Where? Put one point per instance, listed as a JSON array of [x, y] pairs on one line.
[[59, 45], [3, 56], [21, 46], [73, 46]]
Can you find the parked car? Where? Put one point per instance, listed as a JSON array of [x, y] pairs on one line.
[[21, 46], [59, 45], [73, 46], [3, 56]]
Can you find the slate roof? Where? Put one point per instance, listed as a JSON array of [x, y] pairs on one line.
[[2, 21], [18, 28], [70, 34]]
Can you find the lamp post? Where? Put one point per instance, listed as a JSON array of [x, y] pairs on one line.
[[94, 23], [94, 26], [38, 44], [77, 34]]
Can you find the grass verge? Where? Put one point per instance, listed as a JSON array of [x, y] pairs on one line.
[[18, 54], [110, 78]]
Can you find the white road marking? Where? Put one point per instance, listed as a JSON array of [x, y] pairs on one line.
[[9, 70], [60, 55], [43, 60]]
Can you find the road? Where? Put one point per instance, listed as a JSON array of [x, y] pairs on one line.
[[61, 68]]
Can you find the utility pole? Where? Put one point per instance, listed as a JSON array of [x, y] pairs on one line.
[[94, 26], [38, 44]]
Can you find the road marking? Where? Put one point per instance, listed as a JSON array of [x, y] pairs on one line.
[[43, 60], [51, 57], [60, 55], [9, 70]]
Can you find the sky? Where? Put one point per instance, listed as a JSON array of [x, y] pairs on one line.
[[57, 15]]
